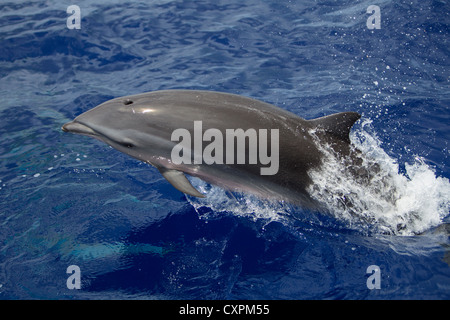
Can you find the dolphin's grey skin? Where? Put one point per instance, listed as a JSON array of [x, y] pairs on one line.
[[141, 126]]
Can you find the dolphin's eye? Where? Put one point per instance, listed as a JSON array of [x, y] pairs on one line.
[[127, 102], [126, 144]]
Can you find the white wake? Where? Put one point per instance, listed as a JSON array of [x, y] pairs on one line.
[[392, 202]]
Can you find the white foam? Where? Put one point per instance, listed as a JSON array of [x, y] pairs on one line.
[[220, 200], [391, 202]]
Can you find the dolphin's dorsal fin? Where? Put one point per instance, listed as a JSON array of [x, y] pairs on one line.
[[338, 124], [179, 181]]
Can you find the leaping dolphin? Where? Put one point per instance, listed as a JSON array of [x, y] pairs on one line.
[[265, 150]]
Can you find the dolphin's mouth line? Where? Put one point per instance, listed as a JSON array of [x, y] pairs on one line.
[[78, 127]]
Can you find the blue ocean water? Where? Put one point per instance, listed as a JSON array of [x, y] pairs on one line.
[[69, 200]]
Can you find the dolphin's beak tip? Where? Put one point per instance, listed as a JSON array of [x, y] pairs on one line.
[[76, 127], [64, 127]]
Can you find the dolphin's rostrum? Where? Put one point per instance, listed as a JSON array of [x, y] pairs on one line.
[[143, 125]]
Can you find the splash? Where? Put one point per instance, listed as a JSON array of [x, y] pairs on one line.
[[389, 201], [219, 201]]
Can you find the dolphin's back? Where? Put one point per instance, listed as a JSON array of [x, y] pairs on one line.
[[217, 109]]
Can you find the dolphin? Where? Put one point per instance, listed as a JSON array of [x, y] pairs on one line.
[[143, 127]]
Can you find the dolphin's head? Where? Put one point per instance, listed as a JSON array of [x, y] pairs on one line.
[[124, 123]]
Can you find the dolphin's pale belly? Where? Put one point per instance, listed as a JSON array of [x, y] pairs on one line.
[[237, 143]]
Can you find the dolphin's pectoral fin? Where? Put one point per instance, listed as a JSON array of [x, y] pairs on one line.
[[338, 124], [180, 182]]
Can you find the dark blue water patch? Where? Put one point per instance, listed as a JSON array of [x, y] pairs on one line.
[[71, 49], [230, 245], [143, 275], [20, 118], [27, 141], [82, 103], [424, 132]]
